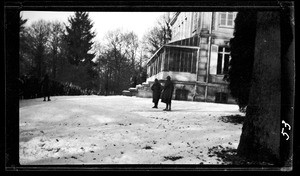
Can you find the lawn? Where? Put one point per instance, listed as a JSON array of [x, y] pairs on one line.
[[126, 130]]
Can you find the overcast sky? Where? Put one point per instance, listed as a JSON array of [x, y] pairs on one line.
[[139, 22]]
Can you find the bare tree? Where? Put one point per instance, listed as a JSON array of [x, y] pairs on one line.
[[117, 60], [39, 39], [159, 35], [55, 39], [25, 60], [131, 45]]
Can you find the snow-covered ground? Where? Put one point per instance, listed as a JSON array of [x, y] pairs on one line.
[[123, 130]]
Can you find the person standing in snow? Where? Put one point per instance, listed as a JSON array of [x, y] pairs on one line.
[[156, 88], [46, 87], [167, 93]]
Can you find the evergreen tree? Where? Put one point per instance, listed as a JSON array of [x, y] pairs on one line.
[[242, 54], [79, 37], [79, 45]]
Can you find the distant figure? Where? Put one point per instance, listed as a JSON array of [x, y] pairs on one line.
[[156, 88], [46, 87], [167, 93], [133, 81]]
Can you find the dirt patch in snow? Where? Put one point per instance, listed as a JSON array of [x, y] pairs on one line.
[[228, 155], [147, 147], [173, 158]]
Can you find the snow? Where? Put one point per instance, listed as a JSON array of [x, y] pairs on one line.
[[123, 130]]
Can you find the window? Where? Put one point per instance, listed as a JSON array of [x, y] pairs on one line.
[[223, 60], [219, 62], [227, 19], [181, 60]]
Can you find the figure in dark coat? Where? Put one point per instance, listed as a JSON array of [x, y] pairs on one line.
[[156, 88], [46, 87], [167, 93]]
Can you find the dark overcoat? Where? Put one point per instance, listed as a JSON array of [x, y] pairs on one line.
[[167, 92], [156, 88], [46, 86]]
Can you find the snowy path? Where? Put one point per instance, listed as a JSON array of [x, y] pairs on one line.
[[123, 130]]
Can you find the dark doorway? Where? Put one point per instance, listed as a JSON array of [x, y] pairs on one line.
[[221, 97], [181, 94]]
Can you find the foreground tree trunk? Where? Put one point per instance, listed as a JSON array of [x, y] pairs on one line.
[[260, 139]]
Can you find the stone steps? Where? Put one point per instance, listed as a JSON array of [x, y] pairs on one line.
[[141, 90], [146, 84], [126, 93]]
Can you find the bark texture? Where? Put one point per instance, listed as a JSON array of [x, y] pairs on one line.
[[260, 137]]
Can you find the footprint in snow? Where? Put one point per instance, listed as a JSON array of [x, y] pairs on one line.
[[147, 147], [57, 150], [74, 157]]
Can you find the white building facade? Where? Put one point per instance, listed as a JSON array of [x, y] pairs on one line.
[[197, 57]]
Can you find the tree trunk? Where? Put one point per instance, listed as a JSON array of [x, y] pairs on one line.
[[39, 66], [54, 59], [260, 139]]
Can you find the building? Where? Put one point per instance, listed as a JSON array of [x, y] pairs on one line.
[[197, 57]]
